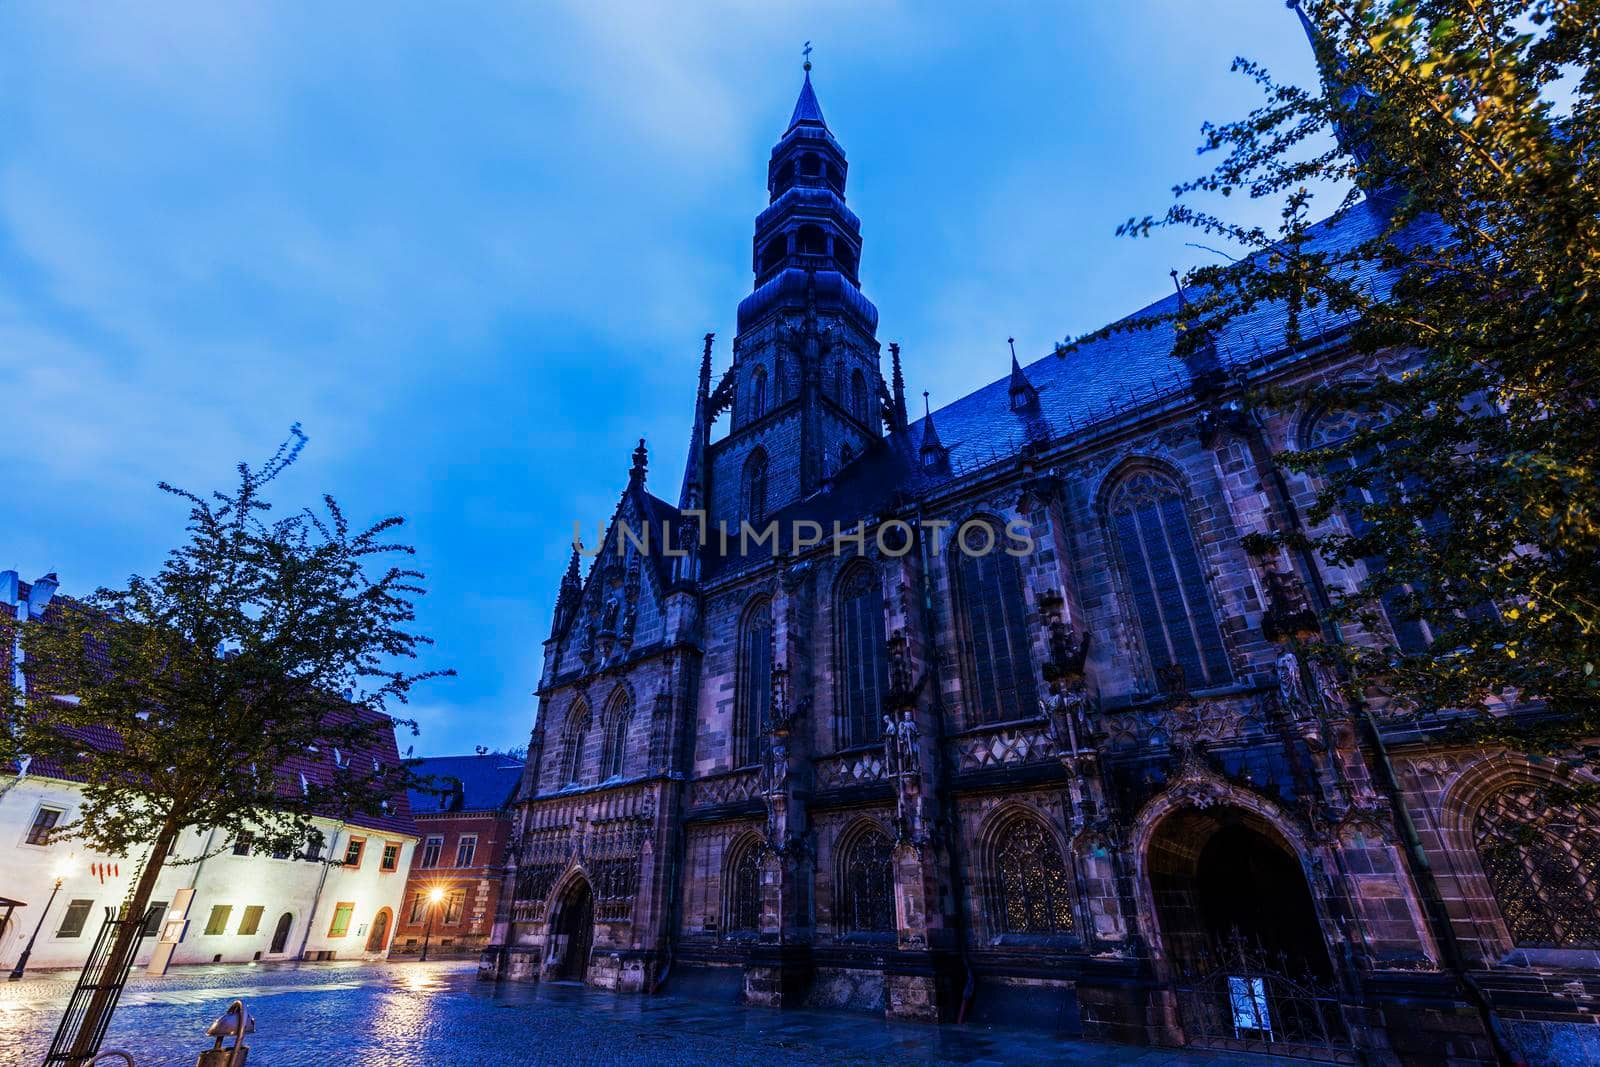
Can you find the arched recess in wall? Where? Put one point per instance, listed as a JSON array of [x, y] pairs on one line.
[[1536, 847], [758, 393], [574, 738], [618, 715], [862, 670], [753, 695], [1026, 884], [741, 887], [753, 486], [864, 880], [1163, 572], [996, 664]]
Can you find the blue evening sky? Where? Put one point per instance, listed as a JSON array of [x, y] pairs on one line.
[[472, 248]]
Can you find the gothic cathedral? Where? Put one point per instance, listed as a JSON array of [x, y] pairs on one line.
[[1036, 745]]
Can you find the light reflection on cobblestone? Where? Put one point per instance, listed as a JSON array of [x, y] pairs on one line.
[[440, 1015]]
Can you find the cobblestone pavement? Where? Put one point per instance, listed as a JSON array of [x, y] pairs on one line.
[[440, 1015]]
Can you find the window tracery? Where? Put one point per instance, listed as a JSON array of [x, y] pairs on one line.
[[1166, 580], [998, 669], [1028, 884], [863, 657], [866, 903], [1542, 859]]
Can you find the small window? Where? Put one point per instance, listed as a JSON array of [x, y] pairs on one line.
[[430, 852], [73, 921], [419, 908], [252, 919], [341, 919], [352, 851], [152, 922], [218, 922], [241, 845], [454, 904], [391, 856], [466, 850], [44, 820], [313, 849]]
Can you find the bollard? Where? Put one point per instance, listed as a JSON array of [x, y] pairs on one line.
[[235, 1022]]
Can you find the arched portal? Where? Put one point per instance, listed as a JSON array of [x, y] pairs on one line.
[[280, 934], [1241, 935], [572, 932], [378, 939]]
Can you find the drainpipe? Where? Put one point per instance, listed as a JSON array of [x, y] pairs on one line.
[[1421, 869], [316, 898]]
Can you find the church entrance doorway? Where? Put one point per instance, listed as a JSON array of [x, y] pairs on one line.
[[1239, 929], [573, 933]]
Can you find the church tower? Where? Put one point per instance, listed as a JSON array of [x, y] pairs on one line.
[[805, 393]]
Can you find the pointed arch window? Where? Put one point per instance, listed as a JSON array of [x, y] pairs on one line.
[[741, 888], [863, 656], [1151, 526], [858, 396], [1332, 427], [866, 884], [577, 735], [618, 714], [754, 703], [1027, 891], [758, 393], [1542, 859], [997, 670], [755, 486]]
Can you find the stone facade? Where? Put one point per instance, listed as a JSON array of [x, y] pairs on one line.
[[1087, 777]]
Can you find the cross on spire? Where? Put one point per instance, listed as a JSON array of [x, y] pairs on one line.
[[806, 52]]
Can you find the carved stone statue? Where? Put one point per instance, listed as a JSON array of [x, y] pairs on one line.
[[608, 619], [906, 735], [1064, 709], [891, 745], [1291, 686], [1326, 685]]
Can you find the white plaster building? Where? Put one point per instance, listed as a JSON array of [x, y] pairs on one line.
[[246, 906]]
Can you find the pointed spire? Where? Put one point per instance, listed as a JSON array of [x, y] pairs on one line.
[[806, 108], [1353, 98], [1024, 396], [570, 592], [933, 452], [641, 462], [692, 494], [899, 397]]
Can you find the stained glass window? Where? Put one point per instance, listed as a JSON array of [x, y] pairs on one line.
[[1028, 881], [1542, 859], [755, 683], [863, 660], [758, 399], [616, 737], [742, 891], [577, 734], [866, 902], [1410, 635], [998, 672], [1166, 580]]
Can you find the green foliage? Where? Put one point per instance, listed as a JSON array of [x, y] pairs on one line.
[[1473, 126], [184, 699]]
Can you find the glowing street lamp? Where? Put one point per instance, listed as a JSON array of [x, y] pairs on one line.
[[435, 895], [62, 868]]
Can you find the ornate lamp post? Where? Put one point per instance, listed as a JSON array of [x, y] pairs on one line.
[[60, 871], [435, 895]]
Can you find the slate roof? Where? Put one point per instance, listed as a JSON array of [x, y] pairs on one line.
[[1086, 388], [466, 783]]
